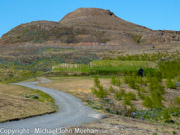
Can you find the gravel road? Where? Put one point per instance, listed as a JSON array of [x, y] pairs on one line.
[[71, 112]]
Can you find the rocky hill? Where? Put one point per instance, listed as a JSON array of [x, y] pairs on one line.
[[88, 26]]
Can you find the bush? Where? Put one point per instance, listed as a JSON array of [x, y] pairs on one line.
[[96, 81], [177, 101], [166, 116], [116, 81], [156, 90], [170, 84], [94, 90], [174, 133], [111, 89], [127, 100], [131, 95], [148, 102], [119, 95], [131, 81], [174, 111], [170, 69], [99, 92], [128, 97], [141, 92], [98, 89], [141, 81]]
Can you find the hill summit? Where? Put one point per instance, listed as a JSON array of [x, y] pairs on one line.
[[88, 26]]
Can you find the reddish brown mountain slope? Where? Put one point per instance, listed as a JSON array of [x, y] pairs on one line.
[[88, 25]]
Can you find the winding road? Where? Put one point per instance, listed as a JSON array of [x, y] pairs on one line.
[[72, 112]]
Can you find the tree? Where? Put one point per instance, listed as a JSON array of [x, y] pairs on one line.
[[98, 89]]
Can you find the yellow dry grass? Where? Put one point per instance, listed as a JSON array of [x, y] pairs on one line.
[[13, 104], [81, 87], [74, 84]]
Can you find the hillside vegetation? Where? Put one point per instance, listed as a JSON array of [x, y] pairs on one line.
[[87, 26], [106, 67], [110, 82], [17, 102]]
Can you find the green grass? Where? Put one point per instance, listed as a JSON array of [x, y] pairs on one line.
[[24, 102], [124, 64], [72, 68], [106, 67], [42, 97], [121, 67]]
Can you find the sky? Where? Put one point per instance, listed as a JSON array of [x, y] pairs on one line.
[[155, 14]]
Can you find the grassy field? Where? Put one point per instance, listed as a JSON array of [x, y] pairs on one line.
[[124, 64], [18, 102], [106, 67], [118, 66], [71, 68]]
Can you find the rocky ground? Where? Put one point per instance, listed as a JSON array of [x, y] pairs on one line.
[[116, 125]]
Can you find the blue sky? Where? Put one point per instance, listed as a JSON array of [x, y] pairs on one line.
[[155, 14]]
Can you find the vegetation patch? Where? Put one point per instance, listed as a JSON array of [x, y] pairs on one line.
[[71, 68], [137, 38], [18, 102], [105, 67], [145, 101]]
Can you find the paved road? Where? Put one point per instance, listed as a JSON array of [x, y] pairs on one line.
[[71, 112]]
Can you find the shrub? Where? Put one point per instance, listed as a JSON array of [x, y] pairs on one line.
[[127, 100], [94, 90], [130, 80], [111, 89], [116, 81], [177, 101], [170, 69], [166, 116], [178, 79], [137, 38], [98, 89], [170, 84], [140, 94], [174, 133], [141, 80], [174, 111], [119, 95], [131, 95], [148, 102], [156, 90], [99, 92], [128, 97], [96, 81]]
